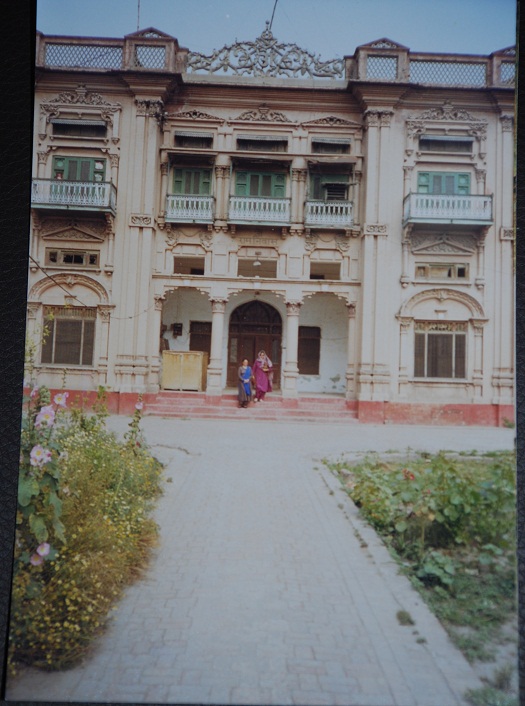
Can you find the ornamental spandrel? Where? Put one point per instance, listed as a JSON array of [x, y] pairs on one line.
[[266, 56]]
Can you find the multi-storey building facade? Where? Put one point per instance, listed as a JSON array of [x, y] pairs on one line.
[[353, 218]]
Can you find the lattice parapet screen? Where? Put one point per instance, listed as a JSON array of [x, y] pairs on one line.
[[507, 73], [84, 55], [381, 67], [448, 73], [150, 57]]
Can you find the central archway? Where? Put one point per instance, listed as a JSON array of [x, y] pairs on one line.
[[253, 327]]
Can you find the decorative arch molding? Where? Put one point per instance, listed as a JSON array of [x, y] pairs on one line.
[[68, 280], [338, 295], [442, 295]]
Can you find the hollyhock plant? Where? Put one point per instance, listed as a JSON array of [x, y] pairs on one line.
[[36, 560], [43, 549], [46, 417], [60, 399], [39, 456]]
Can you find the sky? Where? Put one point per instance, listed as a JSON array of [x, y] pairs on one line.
[[329, 28]]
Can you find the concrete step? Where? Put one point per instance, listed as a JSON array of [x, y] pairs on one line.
[[195, 405]]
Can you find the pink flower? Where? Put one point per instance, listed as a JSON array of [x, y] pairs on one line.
[[39, 456], [61, 399], [43, 549], [139, 405], [45, 416], [34, 392], [36, 560]]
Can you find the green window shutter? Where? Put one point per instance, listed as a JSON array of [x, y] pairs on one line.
[[241, 184], [463, 184], [205, 182], [279, 186], [177, 181], [71, 170], [315, 187], [423, 182], [436, 181], [86, 170]]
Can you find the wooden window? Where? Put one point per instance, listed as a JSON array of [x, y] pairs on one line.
[[265, 184], [325, 270], [309, 350], [72, 258], [79, 128], [440, 350], [69, 336], [195, 142], [186, 265], [262, 144], [443, 183], [200, 336], [192, 182], [327, 146], [329, 187], [78, 169], [439, 143]]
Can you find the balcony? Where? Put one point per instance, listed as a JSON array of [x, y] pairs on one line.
[[189, 209], [329, 214], [254, 209], [74, 195], [458, 209]]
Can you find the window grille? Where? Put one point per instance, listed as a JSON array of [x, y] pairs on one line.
[[150, 57], [84, 55], [440, 350], [381, 67], [448, 73], [69, 335], [437, 143], [507, 72]]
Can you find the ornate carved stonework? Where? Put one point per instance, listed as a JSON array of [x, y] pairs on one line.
[[375, 229], [70, 229], [342, 243], [105, 312], [81, 96], [448, 113], [507, 123], [206, 239], [159, 301], [172, 236], [114, 160], [331, 121], [33, 309], [299, 175], [293, 308], [443, 295], [218, 305], [195, 115], [141, 220], [351, 306], [265, 57], [222, 172], [68, 280], [264, 114], [310, 241], [150, 108], [443, 243], [507, 233]]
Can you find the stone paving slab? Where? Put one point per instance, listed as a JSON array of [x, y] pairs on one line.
[[266, 586]]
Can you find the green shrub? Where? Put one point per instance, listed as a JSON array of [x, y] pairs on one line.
[[104, 491]]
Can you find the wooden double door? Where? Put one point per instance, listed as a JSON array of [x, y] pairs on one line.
[[253, 327]]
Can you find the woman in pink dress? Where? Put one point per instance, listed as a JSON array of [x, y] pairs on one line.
[[263, 374]]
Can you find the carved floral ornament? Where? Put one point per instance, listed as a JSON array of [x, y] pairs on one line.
[[78, 98], [417, 124], [265, 57], [264, 114], [442, 295]]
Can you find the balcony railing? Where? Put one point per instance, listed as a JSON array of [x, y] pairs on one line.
[[468, 209], [181, 208], [80, 195], [252, 209], [329, 214]]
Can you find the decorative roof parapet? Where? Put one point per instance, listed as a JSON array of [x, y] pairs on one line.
[[265, 57]]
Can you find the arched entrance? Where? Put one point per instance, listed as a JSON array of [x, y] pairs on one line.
[[253, 327]]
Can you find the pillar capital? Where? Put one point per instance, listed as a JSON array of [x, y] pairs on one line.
[[293, 308]]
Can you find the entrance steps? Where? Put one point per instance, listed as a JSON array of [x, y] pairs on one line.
[[196, 405]]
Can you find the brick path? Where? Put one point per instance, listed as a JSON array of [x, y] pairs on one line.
[[266, 587]]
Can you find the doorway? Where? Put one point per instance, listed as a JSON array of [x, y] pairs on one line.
[[253, 327]]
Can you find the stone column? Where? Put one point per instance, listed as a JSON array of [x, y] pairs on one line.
[[291, 370], [154, 343], [404, 356], [215, 367], [222, 188], [350, 352], [298, 191], [477, 373], [164, 170]]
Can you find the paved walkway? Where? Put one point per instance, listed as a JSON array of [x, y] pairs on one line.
[[266, 587]]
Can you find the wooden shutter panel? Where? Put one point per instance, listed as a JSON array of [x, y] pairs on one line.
[[177, 181], [241, 184], [279, 186], [86, 170], [436, 182], [205, 182], [72, 170], [450, 184], [423, 183], [463, 186], [460, 356], [419, 355], [88, 342]]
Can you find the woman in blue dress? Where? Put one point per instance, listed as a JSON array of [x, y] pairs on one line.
[[244, 384]]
